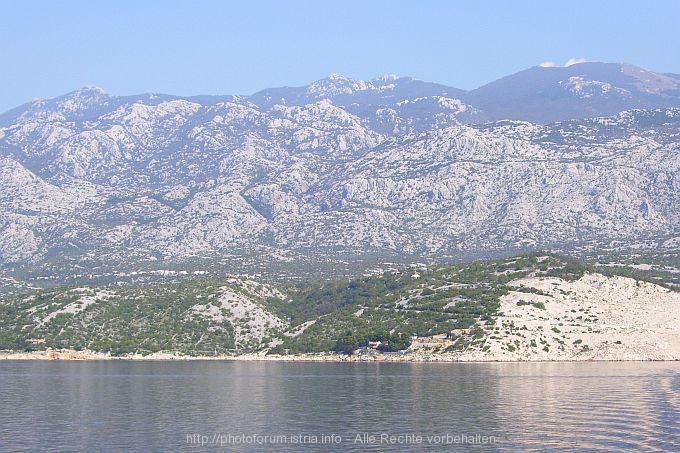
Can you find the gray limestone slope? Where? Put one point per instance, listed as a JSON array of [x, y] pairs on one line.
[[94, 177]]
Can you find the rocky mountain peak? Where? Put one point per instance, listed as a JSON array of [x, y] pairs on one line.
[[385, 166]]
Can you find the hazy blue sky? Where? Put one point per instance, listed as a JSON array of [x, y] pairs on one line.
[[229, 47]]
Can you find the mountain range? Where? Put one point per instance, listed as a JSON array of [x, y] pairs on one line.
[[558, 157]]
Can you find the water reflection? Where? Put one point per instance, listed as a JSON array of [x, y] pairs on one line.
[[159, 406]]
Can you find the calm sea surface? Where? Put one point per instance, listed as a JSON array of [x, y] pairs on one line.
[[270, 406]]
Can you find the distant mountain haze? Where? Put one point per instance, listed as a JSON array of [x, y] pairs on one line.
[[547, 157]]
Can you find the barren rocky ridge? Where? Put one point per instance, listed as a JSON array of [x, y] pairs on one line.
[[91, 181]]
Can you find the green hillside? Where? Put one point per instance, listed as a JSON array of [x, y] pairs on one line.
[[205, 317]]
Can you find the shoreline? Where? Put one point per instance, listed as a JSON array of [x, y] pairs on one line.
[[91, 356]]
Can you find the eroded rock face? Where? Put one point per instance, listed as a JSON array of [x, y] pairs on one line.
[[391, 164], [594, 318]]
